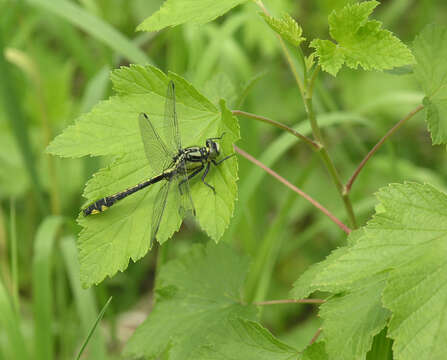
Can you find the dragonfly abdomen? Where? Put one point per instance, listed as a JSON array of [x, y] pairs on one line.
[[103, 204]]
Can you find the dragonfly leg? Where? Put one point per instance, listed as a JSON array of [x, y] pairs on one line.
[[190, 176], [222, 160], [217, 138], [205, 173]]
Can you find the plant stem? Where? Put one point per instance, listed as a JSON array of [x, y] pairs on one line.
[[315, 203], [378, 145], [291, 301], [324, 154], [314, 145], [315, 337], [306, 91]]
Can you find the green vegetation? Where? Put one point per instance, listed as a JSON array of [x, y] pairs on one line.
[[325, 237]]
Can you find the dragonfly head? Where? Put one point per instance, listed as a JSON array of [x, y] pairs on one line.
[[213, 148]]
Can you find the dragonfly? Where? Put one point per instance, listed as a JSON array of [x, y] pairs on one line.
[[172, 163]]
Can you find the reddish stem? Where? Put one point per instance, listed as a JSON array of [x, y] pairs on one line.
[[291, 301], [313, 145], [295, 189], [315, 337], [378, 145]]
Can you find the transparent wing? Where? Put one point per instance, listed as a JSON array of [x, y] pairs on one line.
[[172, 132], [158, 210], [184, 192], [156, 152]]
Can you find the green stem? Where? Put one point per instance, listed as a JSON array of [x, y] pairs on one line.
[[306, 90], [330, 166]]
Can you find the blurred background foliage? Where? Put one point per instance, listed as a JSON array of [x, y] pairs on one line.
[[55, 58]]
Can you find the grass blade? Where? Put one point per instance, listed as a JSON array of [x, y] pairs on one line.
[[14, 256], [17, 122], [12, 342], [94, 26], [98, 319], [42, 287], [84, 299]]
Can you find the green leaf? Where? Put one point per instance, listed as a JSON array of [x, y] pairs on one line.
[[176, 12], [351, 320], [405, 246], [287, 27], [309, 282], [198, 296], [430, 50], [244, 339], [110, 239], [360, 42], [316, 351], [416, 293]]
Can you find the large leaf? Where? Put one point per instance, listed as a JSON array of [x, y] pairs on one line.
[[110, 239], [198, 296], [244, 339], [315, 352], [360, 42], [404, 247], [351, 320], [430, 50], [176, 12]]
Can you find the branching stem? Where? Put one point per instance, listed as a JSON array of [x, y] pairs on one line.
[[315, 203], [306, 90]]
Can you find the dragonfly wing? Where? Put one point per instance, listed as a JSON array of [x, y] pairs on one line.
[[156, 151], [186, 203], [158, 209], [172, 132]]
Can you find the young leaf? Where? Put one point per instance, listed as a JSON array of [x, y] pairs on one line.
[[360, 42], [406, 242], [176, 12], [430, 50], [198, 296], [108, 240], [244, 339], [286, 27]]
